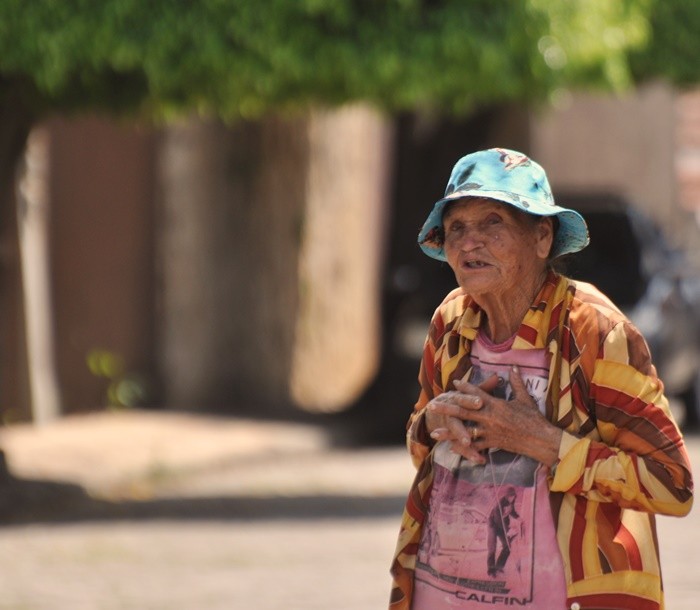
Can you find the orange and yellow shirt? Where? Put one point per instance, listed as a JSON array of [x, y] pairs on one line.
[[621, 460]]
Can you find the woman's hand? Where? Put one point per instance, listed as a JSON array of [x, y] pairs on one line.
[[515, 425], [445, 422]]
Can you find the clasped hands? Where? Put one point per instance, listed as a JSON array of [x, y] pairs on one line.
[[473, 420]]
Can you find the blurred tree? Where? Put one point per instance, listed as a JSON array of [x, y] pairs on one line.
[[245, 58], [672, 49], [248, 59]]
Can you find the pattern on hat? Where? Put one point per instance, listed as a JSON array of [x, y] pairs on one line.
[[510, 177]]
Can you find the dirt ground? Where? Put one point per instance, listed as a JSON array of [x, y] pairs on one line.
[[156, 511]]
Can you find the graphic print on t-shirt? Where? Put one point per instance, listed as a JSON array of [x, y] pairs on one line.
[[478, 542], [477, 545]]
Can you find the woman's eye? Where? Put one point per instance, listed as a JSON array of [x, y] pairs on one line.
[[493, 219]]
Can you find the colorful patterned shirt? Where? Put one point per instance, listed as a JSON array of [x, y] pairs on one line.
[[621, 459], [486, 540]]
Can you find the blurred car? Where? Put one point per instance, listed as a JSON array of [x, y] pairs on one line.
[[628, 259], [654, 284], [674, 343]]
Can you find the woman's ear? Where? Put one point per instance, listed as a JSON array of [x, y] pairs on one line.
[[545, 237]]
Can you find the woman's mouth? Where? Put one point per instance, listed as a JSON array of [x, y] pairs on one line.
[[475, 264]]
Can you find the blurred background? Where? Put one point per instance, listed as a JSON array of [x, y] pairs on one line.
[[210, 209]]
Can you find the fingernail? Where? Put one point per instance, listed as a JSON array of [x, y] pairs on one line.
[[434, 434], [515, 368]]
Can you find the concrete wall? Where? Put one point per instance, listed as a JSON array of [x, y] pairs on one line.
[[627, 145], [103, 197], [102, 252], [688, 151]]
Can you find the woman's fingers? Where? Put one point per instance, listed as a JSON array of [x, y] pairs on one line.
[[469, 452], [479, 394], [519, 388], [451, 428], [457, 405], [484, 388], [499, 423], [460, 440], [490, 384]]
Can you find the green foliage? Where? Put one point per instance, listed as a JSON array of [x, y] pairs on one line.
[[675, 43], [245, 57], [591, 40]]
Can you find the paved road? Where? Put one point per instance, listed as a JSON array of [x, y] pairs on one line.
[[289, 523]]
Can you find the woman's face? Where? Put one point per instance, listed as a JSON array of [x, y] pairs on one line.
[[493, 248]]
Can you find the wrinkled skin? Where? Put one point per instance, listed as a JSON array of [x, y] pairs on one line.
[[499, 256], [515, 425]]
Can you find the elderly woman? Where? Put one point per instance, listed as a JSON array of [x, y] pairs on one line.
[[542, 438]]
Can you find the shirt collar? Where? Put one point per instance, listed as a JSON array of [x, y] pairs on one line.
[[534, 328]]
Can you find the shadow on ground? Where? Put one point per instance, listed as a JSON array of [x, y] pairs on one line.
[[30, 501]]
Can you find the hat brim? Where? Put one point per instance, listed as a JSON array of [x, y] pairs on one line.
[[571, 236]]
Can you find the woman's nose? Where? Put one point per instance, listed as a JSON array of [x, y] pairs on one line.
[[468, 238]]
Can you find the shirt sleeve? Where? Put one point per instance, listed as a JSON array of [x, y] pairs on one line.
[[640, 461], [418, 440]]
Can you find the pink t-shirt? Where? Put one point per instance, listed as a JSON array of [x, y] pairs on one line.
[[489, 537]]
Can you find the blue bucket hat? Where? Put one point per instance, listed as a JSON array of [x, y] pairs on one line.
[[510, 177]]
